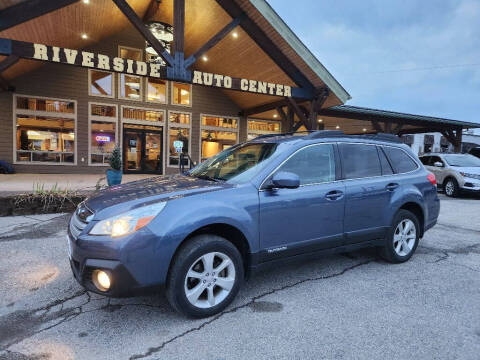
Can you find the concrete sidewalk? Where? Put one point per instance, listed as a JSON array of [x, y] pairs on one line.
[[24, 183]]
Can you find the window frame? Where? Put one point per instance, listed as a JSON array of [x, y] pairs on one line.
[[90, 88], [217, 128], [155, 101], [102, 119], [178, 126], [336, 154], [119, 92], [189, 105], [17, 111]]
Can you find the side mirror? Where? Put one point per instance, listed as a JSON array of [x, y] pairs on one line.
[[285, 180], [437, 164]]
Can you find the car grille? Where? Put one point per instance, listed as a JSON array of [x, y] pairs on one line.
[[79, 220]]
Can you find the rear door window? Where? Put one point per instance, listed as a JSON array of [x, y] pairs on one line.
[[400, 160], [360, 161], [313, 164]]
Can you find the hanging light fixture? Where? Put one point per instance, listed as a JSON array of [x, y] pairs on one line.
[[163, 32]]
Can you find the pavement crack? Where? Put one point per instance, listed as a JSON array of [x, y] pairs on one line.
[[459, 228], [153, 350]]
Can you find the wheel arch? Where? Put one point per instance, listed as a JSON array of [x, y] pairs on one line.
[[226, 231], [418, 211]]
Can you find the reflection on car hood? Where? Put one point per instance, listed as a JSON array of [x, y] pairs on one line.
[[155, 188], [469, 170]]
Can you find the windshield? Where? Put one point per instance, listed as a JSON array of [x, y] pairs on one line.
[[237, 165], [462, 160]]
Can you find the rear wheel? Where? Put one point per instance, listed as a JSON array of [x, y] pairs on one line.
[[402, 238], [451, 187], [205, 276]]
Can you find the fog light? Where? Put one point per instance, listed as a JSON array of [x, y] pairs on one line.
[[101, 280]]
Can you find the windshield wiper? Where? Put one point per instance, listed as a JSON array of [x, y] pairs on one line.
[[206, 177]]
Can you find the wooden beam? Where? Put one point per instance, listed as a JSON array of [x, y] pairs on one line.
[[9, 61], [178, 26], [300, 114], [267, 45], [377, 126], [28, 10], [214, 40], [142, 29]]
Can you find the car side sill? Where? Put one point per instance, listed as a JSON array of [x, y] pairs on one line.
[[312, 255]]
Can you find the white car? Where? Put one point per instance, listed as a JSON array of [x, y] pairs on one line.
[[454, 172]]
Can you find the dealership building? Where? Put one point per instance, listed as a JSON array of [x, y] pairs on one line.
[[78, 78]]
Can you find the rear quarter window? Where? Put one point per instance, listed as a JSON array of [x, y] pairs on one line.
[[400, 160]]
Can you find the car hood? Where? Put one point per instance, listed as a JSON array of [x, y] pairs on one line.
[[128, 196], [469, 170]]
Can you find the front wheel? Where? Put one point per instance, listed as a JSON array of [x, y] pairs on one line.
[[205, 276], [402, 238], [451, 188]]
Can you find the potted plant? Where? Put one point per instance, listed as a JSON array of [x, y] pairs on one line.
[[114, 175]]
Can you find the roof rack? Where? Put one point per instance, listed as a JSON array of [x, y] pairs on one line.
[[318, 134]]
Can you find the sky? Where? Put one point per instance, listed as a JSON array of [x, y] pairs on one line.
[[414, 56]]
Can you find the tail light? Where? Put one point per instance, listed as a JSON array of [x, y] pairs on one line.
[[431, 178]]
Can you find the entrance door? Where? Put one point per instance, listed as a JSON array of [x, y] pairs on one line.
[[142, 151]]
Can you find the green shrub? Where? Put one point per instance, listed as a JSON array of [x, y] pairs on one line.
[[116, 159]]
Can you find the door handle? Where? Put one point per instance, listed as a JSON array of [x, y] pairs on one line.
[[334, 195], [392, 186]]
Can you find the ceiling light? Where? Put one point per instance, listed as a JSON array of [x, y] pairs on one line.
[[275, 116], [84, 36], [204, 58], [184, 92], [320, 120], [86, 1], [364, 129], [337, 127], [235, 35]]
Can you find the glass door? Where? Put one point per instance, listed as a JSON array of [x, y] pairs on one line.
[[132, 144], [142, 150]]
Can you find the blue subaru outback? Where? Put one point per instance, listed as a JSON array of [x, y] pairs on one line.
[[199, 234]]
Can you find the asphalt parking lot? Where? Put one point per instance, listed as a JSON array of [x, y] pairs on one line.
[[342, 307]]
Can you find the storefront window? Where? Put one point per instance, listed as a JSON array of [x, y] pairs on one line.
[[47, 105], [143, 114], [156, 90], [130, 85], [103, 132], [179, 130], [100, 83], [102, 141], [262, 127], [181, 94], [218, 133], [45, 139]]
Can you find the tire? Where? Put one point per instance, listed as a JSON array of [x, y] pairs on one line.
[[398, 248], [193, 259], [450, 187]]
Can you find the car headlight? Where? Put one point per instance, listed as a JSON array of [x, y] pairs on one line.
[[128, 222], [472, 176]]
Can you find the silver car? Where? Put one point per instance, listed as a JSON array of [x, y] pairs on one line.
[[454, 172]]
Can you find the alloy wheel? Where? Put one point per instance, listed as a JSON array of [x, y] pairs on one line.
[[450, 188], [209, 280], [404, 237]]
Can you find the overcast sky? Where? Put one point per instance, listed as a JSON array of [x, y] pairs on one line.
[[416, 56]]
